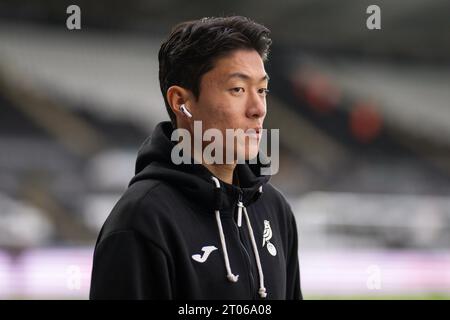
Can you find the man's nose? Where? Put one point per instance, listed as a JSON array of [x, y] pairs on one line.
[[256, 106]]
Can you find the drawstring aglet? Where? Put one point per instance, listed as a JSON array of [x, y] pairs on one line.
[[240, 206], [232, 278], [262, 292]]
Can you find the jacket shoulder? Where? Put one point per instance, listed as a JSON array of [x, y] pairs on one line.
[[138, 209], [275, 196]]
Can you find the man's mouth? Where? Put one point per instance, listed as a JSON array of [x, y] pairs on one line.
[[254, 133]]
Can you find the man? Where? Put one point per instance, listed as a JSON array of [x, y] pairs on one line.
[[202, 230]]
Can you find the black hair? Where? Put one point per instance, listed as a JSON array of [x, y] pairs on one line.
[[193, 46]]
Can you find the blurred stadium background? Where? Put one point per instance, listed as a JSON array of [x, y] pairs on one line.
[[364, 120]]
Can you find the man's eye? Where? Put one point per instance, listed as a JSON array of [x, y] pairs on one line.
[[237, 90], [263, 91]]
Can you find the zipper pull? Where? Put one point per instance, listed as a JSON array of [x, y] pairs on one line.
[[240, 207]]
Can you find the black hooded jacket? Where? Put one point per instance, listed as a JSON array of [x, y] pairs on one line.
[[179, 233]]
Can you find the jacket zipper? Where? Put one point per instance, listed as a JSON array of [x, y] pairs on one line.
[[249, 263]]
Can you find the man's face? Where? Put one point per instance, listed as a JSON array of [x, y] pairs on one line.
[[233, 96]]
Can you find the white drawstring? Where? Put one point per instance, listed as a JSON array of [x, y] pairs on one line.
[[262, 289], [231, 277], [240, 206]]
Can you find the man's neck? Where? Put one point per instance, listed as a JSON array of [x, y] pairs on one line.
[[222, 171]]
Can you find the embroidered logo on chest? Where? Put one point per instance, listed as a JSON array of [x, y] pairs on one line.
[[267, 235], [206, 252]]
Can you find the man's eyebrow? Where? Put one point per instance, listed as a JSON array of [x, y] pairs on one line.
[[244, 76]]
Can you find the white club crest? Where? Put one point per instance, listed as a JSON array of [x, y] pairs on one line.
[[267, 235]]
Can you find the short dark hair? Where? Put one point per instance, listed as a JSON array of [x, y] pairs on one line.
[[193, 46]]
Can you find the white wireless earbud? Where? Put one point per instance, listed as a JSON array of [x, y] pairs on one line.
[[185, 111]]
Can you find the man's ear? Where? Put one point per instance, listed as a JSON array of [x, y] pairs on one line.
[[177, 96]]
